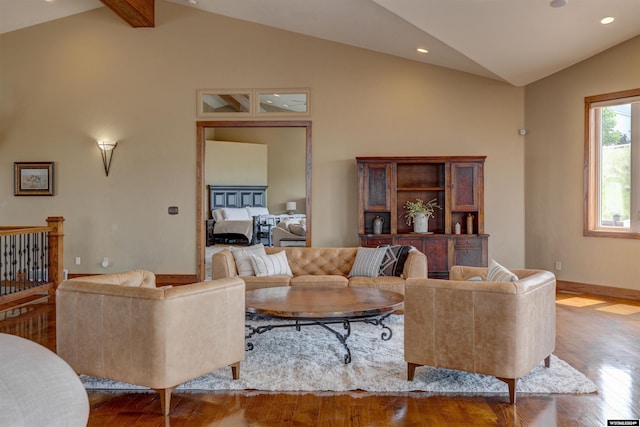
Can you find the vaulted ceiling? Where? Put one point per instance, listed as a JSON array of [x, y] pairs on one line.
[[517, 41]]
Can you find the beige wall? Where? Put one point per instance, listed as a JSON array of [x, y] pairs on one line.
[[286, 158], [554, 172], [235, 163], [71, 81]]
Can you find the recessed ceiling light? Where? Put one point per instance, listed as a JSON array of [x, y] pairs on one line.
[[557, 3], [607, 20], [421, 50]]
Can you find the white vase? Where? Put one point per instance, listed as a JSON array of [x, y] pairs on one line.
[[420, 223]]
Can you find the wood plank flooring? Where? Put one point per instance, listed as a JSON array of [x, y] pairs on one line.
[[597, 335]]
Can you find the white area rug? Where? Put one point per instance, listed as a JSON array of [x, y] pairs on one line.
[[312, 360]]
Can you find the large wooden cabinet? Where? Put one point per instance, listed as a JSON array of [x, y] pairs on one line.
[[385, 184]]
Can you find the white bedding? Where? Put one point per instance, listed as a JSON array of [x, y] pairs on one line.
[[244, 227]]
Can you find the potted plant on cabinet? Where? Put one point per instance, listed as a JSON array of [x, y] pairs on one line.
[[419, 212]]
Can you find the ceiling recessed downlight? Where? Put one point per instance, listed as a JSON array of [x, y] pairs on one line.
[[557, 3], [422, 50], [607, 20]]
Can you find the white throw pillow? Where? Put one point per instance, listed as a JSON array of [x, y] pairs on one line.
[[498, 273], [242, 256], [271, 265], [367, 263], [217, 215], [235, 213]]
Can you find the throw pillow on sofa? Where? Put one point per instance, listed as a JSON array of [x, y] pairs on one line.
[[498, 273], [367, 262], [242, 257], [394, 259], [271, 265]]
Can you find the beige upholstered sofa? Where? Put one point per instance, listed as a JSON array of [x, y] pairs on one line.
[[503, 329], [122, 327], [321, 267]]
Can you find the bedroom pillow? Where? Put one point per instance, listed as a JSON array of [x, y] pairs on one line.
[[498, 273], [217, 215], [256, 211], [242, 257], [394, 259], [367, 263], [271, 265], [235, 213]]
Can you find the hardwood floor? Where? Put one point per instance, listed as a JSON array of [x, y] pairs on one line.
[[597, 335]]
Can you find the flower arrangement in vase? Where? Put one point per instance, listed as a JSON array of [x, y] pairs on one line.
[[419, 212]]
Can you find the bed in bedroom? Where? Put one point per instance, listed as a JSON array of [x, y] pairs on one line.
[[238, 215], [232, 213]]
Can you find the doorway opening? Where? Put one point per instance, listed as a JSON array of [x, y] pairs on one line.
[[201, 201]]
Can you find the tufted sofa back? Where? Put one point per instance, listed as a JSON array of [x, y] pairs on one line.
[[318, 261]]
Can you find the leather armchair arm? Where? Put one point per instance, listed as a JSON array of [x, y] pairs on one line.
[[415, 266], [223, 265]]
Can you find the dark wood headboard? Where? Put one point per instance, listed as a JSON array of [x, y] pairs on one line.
[[237, 196]]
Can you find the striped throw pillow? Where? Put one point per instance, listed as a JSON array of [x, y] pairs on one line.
[[498, 273], [367, 263], [271, 265], [242, 257]]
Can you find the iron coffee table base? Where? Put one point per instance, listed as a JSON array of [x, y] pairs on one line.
[[377, 320]]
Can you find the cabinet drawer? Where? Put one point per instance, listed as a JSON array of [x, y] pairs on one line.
[[417, 243], [468, 242], [372, 242]]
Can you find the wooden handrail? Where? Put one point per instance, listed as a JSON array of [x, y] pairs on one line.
[[12, 231], [55, 250]]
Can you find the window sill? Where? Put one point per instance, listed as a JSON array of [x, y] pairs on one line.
[[617, 234]]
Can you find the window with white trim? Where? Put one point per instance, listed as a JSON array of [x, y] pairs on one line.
[[612, 164]]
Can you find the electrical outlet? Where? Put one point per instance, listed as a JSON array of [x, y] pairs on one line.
[[558, 265], [77, 260]]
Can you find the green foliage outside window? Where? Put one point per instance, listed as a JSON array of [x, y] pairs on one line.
[[616, 170]]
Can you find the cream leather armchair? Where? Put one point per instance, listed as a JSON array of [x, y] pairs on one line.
[[503, 329], [122, 327]]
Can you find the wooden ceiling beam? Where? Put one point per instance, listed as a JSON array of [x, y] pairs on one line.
[[137, 13]]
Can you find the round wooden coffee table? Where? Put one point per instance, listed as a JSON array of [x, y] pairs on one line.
[[321, 306]]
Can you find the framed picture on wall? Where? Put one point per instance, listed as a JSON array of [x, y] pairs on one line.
[[33, 178]]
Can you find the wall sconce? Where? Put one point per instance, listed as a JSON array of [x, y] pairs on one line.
[[291, 208], [106, 149]]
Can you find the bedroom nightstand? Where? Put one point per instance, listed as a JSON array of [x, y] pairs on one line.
[[210, 236]]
